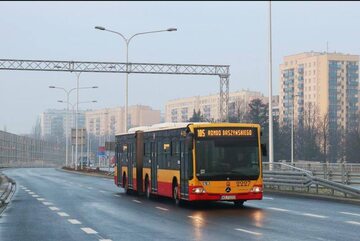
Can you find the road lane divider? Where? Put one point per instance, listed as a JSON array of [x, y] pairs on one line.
[[54, 208], [74, 221], [314, 215], [163, 209], [278, 209], [248, 231], [137, 201], [268, 198], [353, 222], [40, 199], [89, 230], [47, 203], [352, 214], [62, 214]]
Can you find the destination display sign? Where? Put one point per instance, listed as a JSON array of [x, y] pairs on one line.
[[225, 132]]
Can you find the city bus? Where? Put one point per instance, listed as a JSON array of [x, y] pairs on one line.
[[192, 161]]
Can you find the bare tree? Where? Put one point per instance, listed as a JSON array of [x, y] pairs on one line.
[[324, 135]]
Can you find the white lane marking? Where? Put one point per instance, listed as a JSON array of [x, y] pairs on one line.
[[48, 203], [164, 209], [313, 215], [80, 185], [62, 214], [248, 231], [105, 240], [117, 195], [27, 190], [54, 208], [268, 198], [31, 193], [137, 201], [279, 209], [35, 195], [41, 199], [353, 214], [88, 230], [197, 218], [353, 222], [74, 221], [90, 188], [102, 192]]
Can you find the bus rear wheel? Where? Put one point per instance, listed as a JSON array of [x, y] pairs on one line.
[[125, 186], [176, 194], [239, 203], [147, 189]]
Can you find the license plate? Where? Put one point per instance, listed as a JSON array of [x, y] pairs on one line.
[[228, 197]]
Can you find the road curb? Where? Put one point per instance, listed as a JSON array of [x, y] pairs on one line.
[[86, 174], [6, 196], [314, 196]]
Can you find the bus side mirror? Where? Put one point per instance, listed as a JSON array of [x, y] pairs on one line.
[[264, 149], [190, 141]]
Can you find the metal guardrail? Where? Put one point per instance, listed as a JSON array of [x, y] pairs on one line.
[[284, 176]]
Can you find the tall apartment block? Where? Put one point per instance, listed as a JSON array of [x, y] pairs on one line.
[[328, 82], [110, 121], [181, 110], [53, 122]]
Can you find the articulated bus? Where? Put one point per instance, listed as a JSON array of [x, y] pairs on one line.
[[192, 161]]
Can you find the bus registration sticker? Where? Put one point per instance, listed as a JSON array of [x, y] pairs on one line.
[[228, 197]]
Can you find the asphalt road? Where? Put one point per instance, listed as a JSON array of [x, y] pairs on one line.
[[54, 205]]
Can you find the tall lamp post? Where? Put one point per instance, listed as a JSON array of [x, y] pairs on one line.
[[73, 107], [127, 41], [271, 139], [68, 92]]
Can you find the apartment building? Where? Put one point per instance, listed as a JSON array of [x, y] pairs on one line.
[[53, 122], [110, 121], [181, 110], [326, 82]]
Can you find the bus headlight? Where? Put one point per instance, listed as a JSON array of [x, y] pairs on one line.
[[257, 189], [198, 190]]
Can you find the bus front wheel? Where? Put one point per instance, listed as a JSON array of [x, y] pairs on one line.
[[239, 203]]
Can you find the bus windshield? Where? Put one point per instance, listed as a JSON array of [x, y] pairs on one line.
[[227, 159]]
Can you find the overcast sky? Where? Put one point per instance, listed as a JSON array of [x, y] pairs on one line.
[[232, 33]]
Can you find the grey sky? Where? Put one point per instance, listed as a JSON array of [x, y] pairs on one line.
[[233, 33]]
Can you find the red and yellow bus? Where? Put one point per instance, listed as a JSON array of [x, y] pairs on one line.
[[192, 161]]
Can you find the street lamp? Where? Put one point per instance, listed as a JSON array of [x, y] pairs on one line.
[[127, 41], [73, 107], [68, 92], [271, 139]]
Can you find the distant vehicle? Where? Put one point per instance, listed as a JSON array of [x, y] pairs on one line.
[[193, 162]]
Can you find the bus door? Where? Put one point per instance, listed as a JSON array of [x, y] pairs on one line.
[[130, 164], [184, 185], [154, 166]]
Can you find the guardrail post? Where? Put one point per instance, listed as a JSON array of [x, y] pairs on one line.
[[317, 188], [325, 170], [329, 173], [347, 177], [342, 173]]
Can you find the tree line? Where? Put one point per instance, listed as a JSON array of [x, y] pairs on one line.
[[316, 138]]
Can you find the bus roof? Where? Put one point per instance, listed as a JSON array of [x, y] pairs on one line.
[[174, 125]]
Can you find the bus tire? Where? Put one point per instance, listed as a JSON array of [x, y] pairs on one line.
[[176, 194], [147, 189], [125, 186], [239, 203]]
